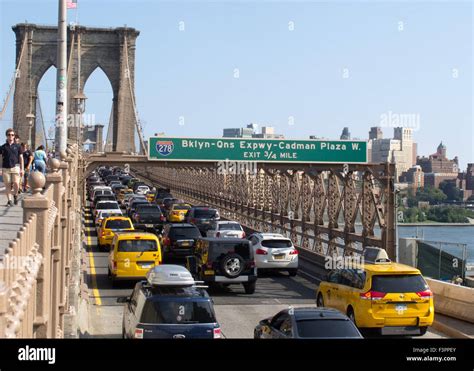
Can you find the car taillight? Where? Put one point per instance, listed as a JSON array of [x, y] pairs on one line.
[[114, 265], [218, 234], [137, 217], [217, 333], [243, 235], [261, 252], [372, 295], [138, 333], [294, 252], [162, 218], [166, 241], [427, 294], [103, 233]]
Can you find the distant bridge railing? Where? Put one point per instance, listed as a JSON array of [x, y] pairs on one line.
[[35, 270]]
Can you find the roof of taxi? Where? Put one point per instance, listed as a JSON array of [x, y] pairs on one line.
[[136, 234], [390, 268], [118, 217]]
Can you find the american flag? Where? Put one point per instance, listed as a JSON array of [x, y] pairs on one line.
[[72, 4]]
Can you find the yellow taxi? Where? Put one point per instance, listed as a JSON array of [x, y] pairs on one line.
[[122, 193], [132, 255], [178, 212], [109, 226], [391, 298], [150, 196]]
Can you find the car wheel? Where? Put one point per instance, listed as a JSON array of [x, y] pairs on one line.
[[232, 265], [249, 287], [320, 301], [351, 315], [293, 272], [423, 330]]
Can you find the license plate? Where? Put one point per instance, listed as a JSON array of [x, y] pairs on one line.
[[148, 265], [278, 257], [185, 244], [401, 308], [149, 225]]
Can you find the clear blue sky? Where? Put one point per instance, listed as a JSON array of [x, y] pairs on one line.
[[282, 73]]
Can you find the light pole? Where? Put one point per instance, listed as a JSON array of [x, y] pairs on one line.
[[31, 120], [80, 103]]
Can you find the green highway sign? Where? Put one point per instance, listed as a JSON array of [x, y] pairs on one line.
[[260, 150]]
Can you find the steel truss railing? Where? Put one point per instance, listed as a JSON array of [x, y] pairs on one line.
[[325, 208]]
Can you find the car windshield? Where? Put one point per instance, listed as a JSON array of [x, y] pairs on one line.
[[137, 245], [118, 224], [326, 328], [399, 283], [107, 206], [205, 213], [230, 227], [177, 233], [148, 209], [276, 244], [218, 249], [177, 312]]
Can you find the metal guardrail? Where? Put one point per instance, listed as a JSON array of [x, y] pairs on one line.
[[35, 269]]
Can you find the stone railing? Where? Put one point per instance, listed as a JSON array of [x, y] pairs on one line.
[[35, 270]]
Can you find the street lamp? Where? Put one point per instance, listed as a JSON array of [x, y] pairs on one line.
[[80, 103], [31, 120]]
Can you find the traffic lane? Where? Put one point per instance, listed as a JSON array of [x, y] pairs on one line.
[[99, 283]]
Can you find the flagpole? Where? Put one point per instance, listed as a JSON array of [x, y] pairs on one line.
[[61, 80]]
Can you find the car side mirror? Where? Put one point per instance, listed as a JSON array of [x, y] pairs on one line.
[[123, 299]]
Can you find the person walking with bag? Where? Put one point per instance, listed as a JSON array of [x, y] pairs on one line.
[[13, 165]]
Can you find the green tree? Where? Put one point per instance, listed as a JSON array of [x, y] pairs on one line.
[[452, 192]]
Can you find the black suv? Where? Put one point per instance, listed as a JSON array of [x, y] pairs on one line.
[[224, 261], [169, 311], [202, 217], [178, 239], [148, 216]]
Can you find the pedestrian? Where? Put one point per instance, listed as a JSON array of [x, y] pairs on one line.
[[12, 163], [17, 139], [27, 161], [40, 159]]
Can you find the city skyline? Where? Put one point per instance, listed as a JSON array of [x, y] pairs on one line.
[[305, 69]]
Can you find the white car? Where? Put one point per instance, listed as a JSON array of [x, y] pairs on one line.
[[106, 206], [102, 214], [222, 229], [142, 190], [274, 251]]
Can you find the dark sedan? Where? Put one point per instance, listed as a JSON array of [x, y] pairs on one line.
[[307, 323]]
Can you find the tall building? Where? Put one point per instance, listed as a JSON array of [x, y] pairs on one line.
[[375, 133], [345, 135], [246, 132], [414, 177], [437, 167], [268, 132], [398, 150]]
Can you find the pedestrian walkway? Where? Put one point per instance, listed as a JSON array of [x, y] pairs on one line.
[[11, 219]]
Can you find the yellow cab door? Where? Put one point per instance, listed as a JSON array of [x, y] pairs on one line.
[[330, 289], [136, 255], [351, 283], [400, 298]]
